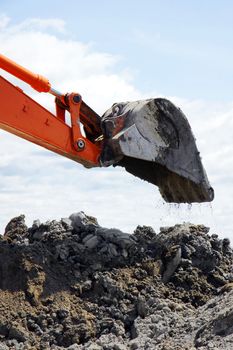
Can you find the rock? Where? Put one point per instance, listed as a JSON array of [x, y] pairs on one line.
[[61, 314], [81, 221], [119, 347], [67, 223], [16, 229], [142, 308], [172, 261], [76, 285], [76, 347], [17, 332], [86, 285], [133, 345], [4, 328], [115, 236], [226, 288], [112, 250], [36, 224], [91, 241]]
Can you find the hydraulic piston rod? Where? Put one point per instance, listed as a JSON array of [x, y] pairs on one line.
[[37, 82]]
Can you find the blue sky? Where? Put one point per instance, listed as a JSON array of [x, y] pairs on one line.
[[175, 47], [113, 51]]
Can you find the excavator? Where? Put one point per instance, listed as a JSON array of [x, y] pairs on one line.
[[151, 139]]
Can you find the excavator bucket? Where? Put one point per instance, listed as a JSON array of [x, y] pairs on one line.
[[153, 140]]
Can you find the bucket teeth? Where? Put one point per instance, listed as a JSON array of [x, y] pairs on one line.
[[153, 140]]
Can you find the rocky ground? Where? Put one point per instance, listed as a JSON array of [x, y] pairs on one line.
[[71, 284]]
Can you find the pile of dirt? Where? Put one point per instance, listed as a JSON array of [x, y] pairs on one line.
[[76, 285]]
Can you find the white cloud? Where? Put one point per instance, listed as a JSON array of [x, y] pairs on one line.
[[69, 65], [43, 185], [4, 20], [36, 24]]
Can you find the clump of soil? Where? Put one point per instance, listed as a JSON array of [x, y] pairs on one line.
[[74, 284]]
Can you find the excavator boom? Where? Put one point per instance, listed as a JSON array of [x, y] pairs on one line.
[[152, 139], [24, 117]]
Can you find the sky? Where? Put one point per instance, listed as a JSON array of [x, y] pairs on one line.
[[112, 51]]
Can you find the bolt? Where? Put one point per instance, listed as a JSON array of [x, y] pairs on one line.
[[81, 144], [76, 98], [25, 108]]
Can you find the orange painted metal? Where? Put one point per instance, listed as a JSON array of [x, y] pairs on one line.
[[38, 82], [24, 117]]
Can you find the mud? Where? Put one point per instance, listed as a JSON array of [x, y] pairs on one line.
[[72, 284]]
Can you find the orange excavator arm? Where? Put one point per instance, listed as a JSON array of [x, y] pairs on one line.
[[24, 117]]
